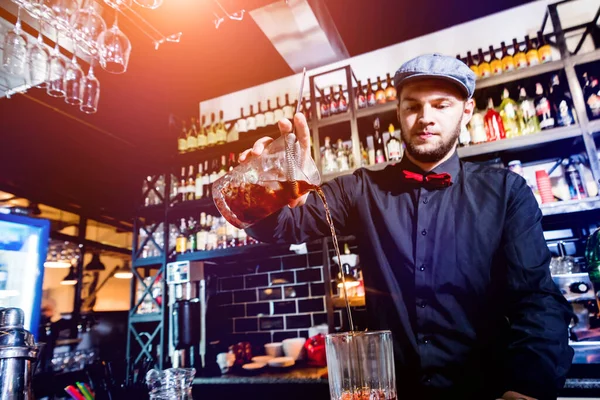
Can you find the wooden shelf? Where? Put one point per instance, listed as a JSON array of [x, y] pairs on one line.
[[376, 109], [185, 207], [585, 58], [519, 74], [535, 139], [334, 119], [570, 206]]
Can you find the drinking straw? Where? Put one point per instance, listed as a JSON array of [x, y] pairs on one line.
[[71, 391], [84, 391]]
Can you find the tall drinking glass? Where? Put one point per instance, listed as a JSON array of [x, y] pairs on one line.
[[56, 71], [72, 82], [38, 61], [361, 366], [90, 94]]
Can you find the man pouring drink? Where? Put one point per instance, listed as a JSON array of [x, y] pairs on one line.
[[455, 261]]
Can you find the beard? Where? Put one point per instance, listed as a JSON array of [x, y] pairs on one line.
[[424, 154]]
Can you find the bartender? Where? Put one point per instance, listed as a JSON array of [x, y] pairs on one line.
[[454, 258]]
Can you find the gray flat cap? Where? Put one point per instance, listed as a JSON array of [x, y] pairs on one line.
[[437, 66]]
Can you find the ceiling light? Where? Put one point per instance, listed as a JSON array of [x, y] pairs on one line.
[[123, 272], [57, 264], [70, 279], [95, 264]]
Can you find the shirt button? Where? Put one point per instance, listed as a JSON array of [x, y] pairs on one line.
[[423, 304], [425, 200], [426, 379], [422, 267], [424, 232], [426, 341]]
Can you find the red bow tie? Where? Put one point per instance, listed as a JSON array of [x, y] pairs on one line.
[[432, 180]]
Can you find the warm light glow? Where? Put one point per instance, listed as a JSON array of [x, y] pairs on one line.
[[57, 264], [68, 282], [123, 275], [349, 284]]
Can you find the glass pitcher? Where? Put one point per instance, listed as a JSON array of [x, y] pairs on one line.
[[256, 189], [361, 366], [171, 384]]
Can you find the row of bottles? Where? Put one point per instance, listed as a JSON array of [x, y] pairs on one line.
[[197, 136], [534, 53], [525, 116], [208, 233], [339, 157], [591, 95], [262, 118], [196, 183]]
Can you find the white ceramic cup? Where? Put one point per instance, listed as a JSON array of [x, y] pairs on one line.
[[274, 349], [225, 361], [294, 348]]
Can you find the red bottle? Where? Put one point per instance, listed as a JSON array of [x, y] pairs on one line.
[[494, 127]]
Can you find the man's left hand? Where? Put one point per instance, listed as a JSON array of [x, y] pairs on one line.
[[515, 396]]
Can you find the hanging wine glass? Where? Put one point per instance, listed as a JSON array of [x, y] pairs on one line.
[[63, 10], [38, 61], [118, 3], [151, 4], [56, 71], [14, 54], [87, 25], [72, 81], [115, 49], [90, 94]]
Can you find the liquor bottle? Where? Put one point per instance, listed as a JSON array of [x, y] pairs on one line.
[[364, 156], [191, 236], [214, 174], [543, 110], [575, 181], [393, 145], [182, 141], [508, 113], [591, 96], [260, 117], [472, 64], [251, 120], [223, 169], [518, 55], [242, 239], [212, 131], [508, 62], [181, 240], [182, 188], [206, 181], [269, 115], [495, 63], [192, 136], [341, 157], [333, 102], [378, 144], [528, 122], [379, 93], [241, 122], [328, 162], [202, 137], [493, 123], [477, 128], [190, 191], [544, 49], [390, 90], [371, 101], [464, 138], [213, 238], [483, 66], [231, 163], [278, 113], [533, 58], [199, 189], [202, 233], [342, 101], [561, 103], [361, 96], [221, 131], [324, 106], [288, 109]]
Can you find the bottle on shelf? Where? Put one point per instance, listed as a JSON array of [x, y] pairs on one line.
[[199, 188], [231, 163], [206, 181], [361, 96], [379, 93], [242, 238], [364, 156], [495, 63], [528, 122], [241, 122], [493, 123], [543, 110], [483, 66], [269, 115], [181, 240], [221, 131], [251, 120], [213, 238], [191, 236], [260, 117], [202, 233], [561, 103], [328, 162], [576, 183], [324, 104], [371, 101], [378, 143], [182, 188], [472, 64], [192, 136], [288, 108], [591, 96], [191, 185], [519, 56], [342, 157], [533, 58], [342, 101], [214, 174], [477, 128], [508, 62], [390, 90], [278, 113], [333, 102], [212, 131], [544, 49], [223, 169], [182, 140], [202, 137], [508, 113], [393, 145], [464, 137]]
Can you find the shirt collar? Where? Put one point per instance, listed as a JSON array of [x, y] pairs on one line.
[[451, 166]]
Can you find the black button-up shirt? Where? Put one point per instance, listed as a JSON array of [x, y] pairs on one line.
[[459, 275]]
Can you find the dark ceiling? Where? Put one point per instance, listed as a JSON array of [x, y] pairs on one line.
[[54, 153]]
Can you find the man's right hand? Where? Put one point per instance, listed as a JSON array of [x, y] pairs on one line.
[[285, 126]]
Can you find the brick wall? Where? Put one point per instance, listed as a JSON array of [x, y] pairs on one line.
[[272, 299]]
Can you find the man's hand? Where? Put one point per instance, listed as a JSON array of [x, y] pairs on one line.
[[285, 126], [510, 395]]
